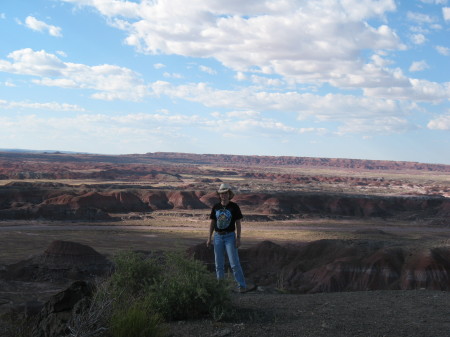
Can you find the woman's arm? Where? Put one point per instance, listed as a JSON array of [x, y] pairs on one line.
[[238, 233], [211, 230]]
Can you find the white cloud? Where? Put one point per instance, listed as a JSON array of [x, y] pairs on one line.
[[386, 125], [243, 113], [331, 107], [159, 66], [40, 26], [418, 38], [208, 70], [380, 61], [417, 90], [90, 133], [266, 81], [443, 50], [109, 81], [240, 76], [419, 17], [437, 2], [95, 132], [320, 131], [315, 41], [126, 9], [440, 123], [172, 75], [418, 66], [36, 63], [446, 13], [53, 106]]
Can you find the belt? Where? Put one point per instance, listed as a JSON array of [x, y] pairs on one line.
[[223, 233]]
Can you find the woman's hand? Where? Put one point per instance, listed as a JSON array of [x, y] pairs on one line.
[[238, 242]]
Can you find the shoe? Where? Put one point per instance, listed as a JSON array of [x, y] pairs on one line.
[[246, 290]]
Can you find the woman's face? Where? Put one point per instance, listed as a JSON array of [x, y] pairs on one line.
[[224, 197]]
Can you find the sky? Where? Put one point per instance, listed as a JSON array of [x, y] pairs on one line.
[[354, 79]]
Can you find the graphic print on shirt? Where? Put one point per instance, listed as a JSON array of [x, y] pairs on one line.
[[223, 217]]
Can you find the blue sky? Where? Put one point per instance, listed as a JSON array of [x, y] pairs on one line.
[[340, 79]]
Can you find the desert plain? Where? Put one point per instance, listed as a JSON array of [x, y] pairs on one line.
[[312, 227]]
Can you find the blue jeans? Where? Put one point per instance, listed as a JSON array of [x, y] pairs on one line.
[[227, 242]]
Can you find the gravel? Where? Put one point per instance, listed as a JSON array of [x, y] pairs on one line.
[[410, 313]]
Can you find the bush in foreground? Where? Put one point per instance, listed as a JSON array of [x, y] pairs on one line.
[[147, 291], [137, 320], [186, 290]]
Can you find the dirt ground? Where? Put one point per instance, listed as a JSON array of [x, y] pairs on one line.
[[416, 313], [262, 313], [19, 240]]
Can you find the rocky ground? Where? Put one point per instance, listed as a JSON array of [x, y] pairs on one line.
[[266, 311], [411, 313]]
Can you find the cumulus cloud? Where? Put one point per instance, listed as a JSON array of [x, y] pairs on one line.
[[109, 81], [266, 81], [208, 70], [240, 76], [440, 123], [40, 26], [446, 13], [418, 66], [418, 38], [443, 50], [307, 41], [419, 90], [29, 62]]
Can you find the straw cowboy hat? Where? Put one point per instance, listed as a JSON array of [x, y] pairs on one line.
[[226, 188]]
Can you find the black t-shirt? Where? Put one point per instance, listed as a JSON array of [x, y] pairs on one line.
[[225, 216]]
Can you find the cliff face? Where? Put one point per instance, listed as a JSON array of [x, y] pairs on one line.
[[32, 201], [337, 265], [168, 166], [265, 161], [265, 186]]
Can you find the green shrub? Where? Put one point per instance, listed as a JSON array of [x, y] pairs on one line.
[[148, 291], [133, 274], [188, 290], [137, 320]]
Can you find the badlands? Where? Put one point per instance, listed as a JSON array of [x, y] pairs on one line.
[[336, 247]]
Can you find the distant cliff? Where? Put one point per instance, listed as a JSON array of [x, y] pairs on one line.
[[170, 158], [189, 158]]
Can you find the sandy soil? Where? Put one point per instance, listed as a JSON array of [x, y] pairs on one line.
[[420, 313]]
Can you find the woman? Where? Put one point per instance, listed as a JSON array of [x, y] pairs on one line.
[[226, 223]]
